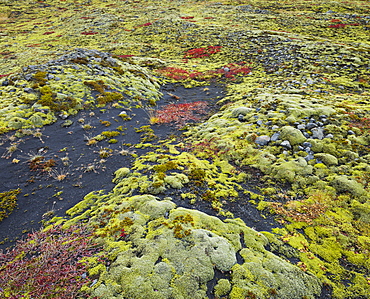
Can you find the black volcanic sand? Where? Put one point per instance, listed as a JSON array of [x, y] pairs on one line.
[[43, 196]]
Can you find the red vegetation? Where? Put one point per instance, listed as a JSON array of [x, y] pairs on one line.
[[340, 25], [228, 71], [180, 113], [187, 18], [89, 33], [48, 32], [46, 265], [202, 52], [124, 56], [144, 25]]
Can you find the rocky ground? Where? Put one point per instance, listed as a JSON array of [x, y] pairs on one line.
[[213, 149]]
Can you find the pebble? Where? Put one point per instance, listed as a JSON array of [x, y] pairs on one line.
[[329, 136], [309, 157], [350, 132], [311, 125], [286, 144], [262, 140], [275, 136], [259, 122], [317, 133]]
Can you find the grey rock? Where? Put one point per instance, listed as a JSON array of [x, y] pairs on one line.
[[301, 127], [262, 140], [259, 122], [63, 116], [50, 76], [329, 136], [310, 126], [350, 132], [275, 136], [309, 157], [309, 81], [317, 133], [286, 144], [275, 127], [28, 77], [28, 89], [305, 134], [306, 144]]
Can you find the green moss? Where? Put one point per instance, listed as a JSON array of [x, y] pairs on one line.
[[344, 184], [293, 135], [8, 202], [328, 159]]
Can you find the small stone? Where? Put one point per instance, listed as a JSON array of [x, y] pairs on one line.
[[63, 116], [262, 140], [309, 81], [241, 117], [259, 122], [301, 127], [50, 76], [286, 144], [28, 77], [28, 90], [310, 126], [350, 132], [275, 136], [275, 127], [317, 133], [329, 136], [306, 144], [309, 157]]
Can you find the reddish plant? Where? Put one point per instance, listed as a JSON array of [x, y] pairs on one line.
[[187, 18], [144, 25], [228, 71], [46, 264], [179, 113], [89, 33], [48, 32], [202, 52], [340, 25]]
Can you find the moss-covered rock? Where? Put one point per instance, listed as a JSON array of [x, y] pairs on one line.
[[328, 159], [293, 135], [344, 184]]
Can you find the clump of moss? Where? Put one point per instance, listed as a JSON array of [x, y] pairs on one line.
[[98, 85], [55, 103], [108, 97], [8, 202], [110, 134], [40, 79]]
